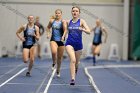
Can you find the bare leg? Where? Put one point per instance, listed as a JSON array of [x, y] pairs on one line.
[[54, 47], [71, 54], [59, 58], [78, 55], [32, 56], [25, 55], [95, 51]]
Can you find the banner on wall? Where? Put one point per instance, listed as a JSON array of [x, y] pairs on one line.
[[136, 31]]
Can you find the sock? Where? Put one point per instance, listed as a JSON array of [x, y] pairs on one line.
[[94, 59]]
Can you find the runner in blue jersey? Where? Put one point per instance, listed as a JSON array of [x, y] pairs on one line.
[[30, 35], [97, 40], [73, 43], [58, 27]]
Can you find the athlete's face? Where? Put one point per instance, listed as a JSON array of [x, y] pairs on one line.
[[75, 12], [98, 23], [58, 14], [31, 19], [37, 20]]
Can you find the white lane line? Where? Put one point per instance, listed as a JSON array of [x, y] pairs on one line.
[[42, 83], [69, 85], [22, 83], [49, 82], [8, 66], [11, 70], [113, 66], [130, 77], [45, 84], [106, 66], [12, 77], [92, 81]]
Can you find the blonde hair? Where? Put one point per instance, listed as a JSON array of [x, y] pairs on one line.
[[58, 10], [52, 17], [37, 17]]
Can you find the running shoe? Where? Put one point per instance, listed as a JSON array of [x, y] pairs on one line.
[[98, 54], [72, 82], [53, 66], [28, 74], [58, 74]]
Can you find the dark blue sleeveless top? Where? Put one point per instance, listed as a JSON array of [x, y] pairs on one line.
[[74, 35], [29, 35], [97, 35]]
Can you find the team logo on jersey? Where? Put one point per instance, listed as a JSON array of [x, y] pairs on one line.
[[73, 28]]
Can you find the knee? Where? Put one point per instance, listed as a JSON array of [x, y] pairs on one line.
[[53, 53], [77, 62], [73, 61], [31, 59], [25, 61], [95, 53], [59, 58]]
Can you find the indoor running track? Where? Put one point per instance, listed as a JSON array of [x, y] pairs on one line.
[[105, 77]]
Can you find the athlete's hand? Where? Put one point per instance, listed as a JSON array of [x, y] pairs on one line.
[[36, 36], [63, 39], [22, 39], [80, 28]]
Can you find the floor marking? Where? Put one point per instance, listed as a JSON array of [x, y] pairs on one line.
[[12, 77], [10, 71], [112, 66], [49, 82], [108, 66], [45, 84], [22, 83], [35, 66], [42, 83], [92, 81], [130, 77], [69, 85], [8, 66]]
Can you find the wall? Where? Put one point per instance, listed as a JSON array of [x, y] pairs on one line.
[[12, 16], [67, 1]]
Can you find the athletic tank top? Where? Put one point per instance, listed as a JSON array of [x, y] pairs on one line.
[[97, 35], [57, 30], [29, 35], [74, 35]]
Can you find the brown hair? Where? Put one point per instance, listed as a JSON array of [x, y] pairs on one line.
[[76, 7]]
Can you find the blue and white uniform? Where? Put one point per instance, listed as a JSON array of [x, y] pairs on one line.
[[74, 36], [57, 32], [29, 37], [97, 36]]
